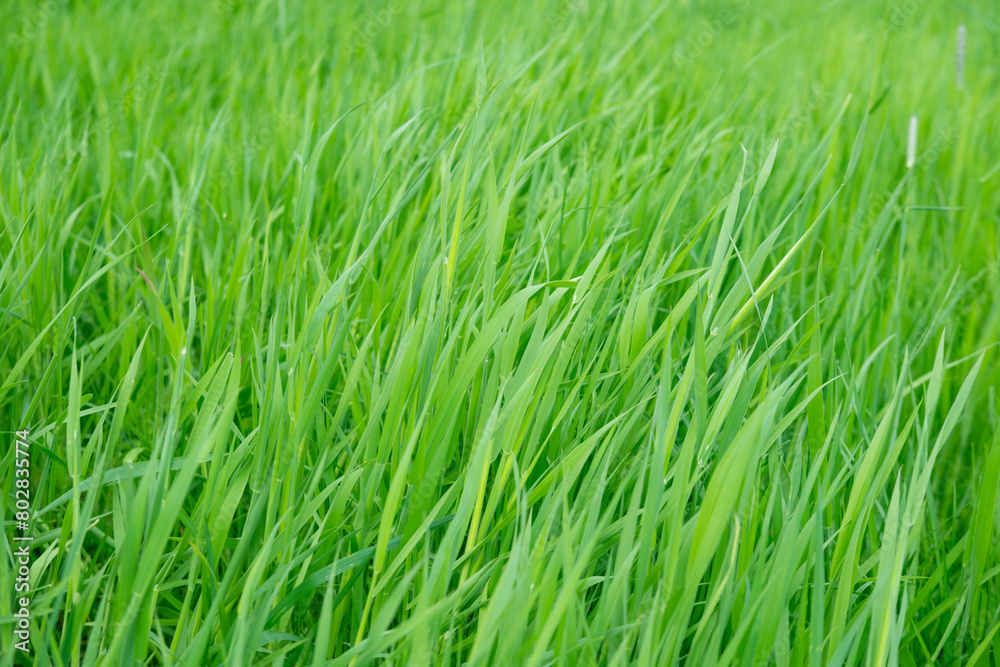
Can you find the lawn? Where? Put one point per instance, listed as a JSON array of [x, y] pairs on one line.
[[540, 333]]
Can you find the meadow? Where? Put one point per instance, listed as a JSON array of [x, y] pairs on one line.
[[554, 332]]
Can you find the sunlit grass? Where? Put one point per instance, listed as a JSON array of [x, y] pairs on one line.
[[574, 333]]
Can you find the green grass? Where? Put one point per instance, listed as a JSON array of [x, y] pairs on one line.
[[558, 333]]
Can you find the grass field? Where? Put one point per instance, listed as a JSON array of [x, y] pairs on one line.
[[523, 333]]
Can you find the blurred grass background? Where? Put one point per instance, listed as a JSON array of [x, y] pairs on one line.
[[527, 333]]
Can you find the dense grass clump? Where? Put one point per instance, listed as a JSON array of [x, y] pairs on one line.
[[520, 333]]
